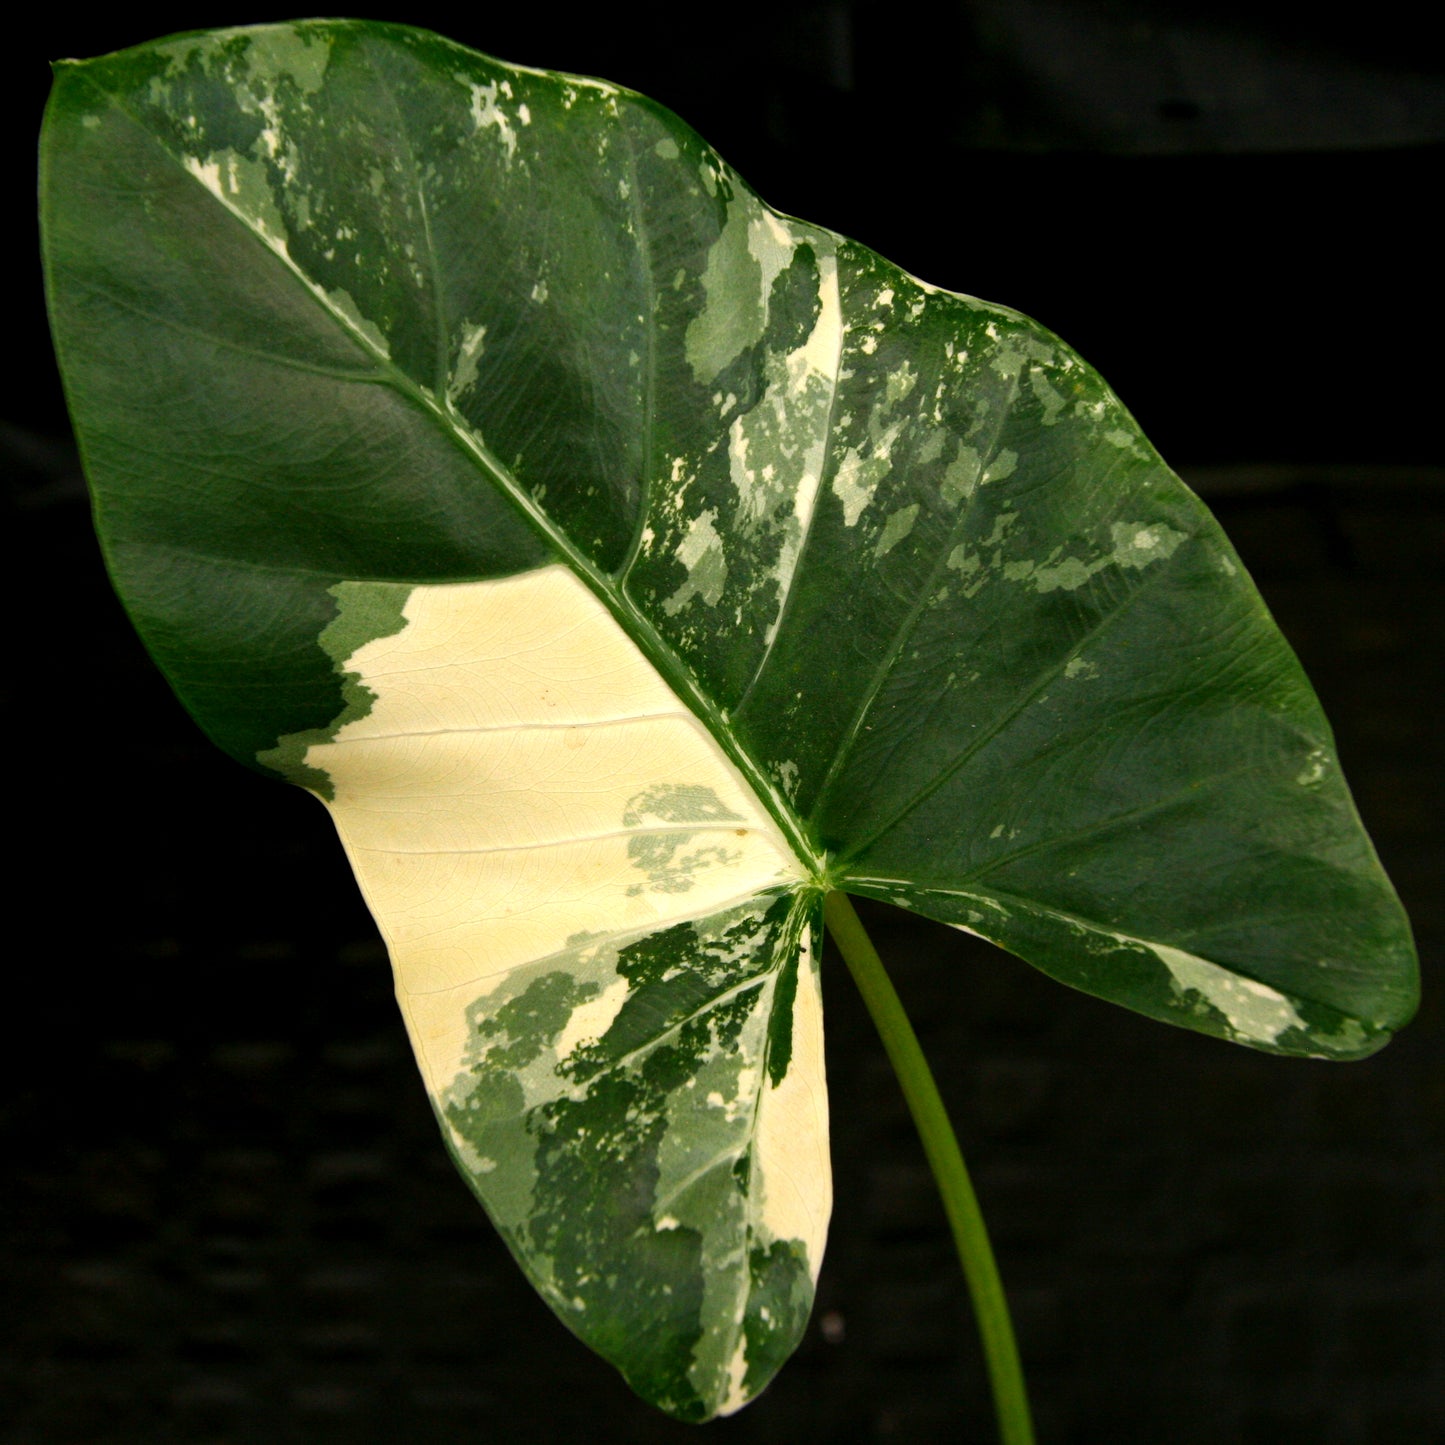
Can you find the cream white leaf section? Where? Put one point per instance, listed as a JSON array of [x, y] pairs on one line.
[[603, 952], [525, 776], [792, 1137]]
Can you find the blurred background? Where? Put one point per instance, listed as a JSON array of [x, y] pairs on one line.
[[225, 1215]]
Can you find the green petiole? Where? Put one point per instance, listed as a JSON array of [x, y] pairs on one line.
[[970, 1237]]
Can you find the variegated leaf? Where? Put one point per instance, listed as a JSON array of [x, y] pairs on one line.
[[626, 564]]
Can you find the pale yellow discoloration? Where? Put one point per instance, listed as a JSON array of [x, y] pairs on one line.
[[792, 1137], [771, 244], [821, 351], [482, 798], [736, 1396]]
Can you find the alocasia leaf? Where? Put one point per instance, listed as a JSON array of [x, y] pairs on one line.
[[627, 564]]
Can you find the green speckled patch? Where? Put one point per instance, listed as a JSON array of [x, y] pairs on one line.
[[607, 1116]]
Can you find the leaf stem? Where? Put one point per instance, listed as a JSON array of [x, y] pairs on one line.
[[970, 1237]]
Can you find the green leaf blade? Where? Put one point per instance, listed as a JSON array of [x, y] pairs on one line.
[[826, 579]]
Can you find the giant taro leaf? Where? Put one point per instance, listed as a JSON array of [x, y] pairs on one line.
[[626, 564]]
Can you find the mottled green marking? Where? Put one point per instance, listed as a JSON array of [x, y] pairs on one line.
[[671, 862], [778, 1308], [1134, 547], [621, 1170], [1138, 544], [245, 185], [961, 475], [297, 53], [780, 1030], [895, 529], [469, 352], [1050, 398], [702, 553], [678, 803], [733, 314], [1176, 986]]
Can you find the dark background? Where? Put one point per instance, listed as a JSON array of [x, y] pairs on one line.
[[227, 1217]]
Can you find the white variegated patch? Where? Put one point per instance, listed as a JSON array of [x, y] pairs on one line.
[[525, 803], [1254, 1010], [502, 795], [792, 1135]]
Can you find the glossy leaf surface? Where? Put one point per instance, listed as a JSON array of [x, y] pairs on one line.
[[626, 564]]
